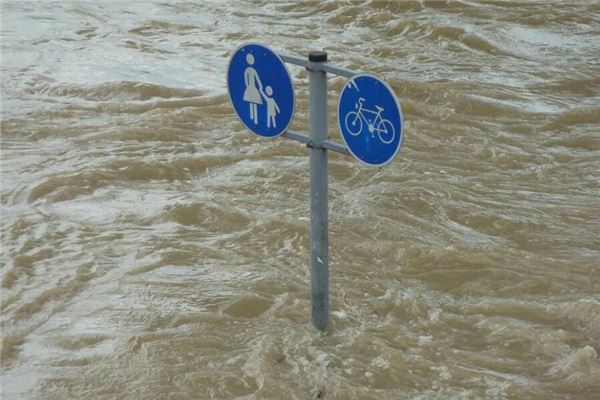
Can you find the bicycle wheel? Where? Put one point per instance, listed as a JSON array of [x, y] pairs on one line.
[[353, 123], [386, 131]]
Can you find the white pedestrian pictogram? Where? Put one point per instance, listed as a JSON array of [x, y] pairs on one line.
[[383, 127], [254, 94], [254, 88], [272, 107]]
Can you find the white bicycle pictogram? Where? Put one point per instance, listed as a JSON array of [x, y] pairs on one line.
[[383, 127]]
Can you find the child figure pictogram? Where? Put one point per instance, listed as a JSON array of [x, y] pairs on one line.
[[272, 107]]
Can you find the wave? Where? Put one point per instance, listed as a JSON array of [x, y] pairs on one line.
[[125, 90], [577, 116], [69, 186]]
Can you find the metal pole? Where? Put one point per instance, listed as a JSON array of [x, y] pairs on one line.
[[319, 273]]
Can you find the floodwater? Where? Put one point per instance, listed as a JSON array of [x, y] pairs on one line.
[[153, 248]]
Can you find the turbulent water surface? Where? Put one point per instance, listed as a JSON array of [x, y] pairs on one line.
[[153, 248]]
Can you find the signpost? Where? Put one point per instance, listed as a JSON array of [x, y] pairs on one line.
[[369, 119]]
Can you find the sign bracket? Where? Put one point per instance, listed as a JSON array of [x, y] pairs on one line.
[[320, 66], [312, 66], [326, 144]]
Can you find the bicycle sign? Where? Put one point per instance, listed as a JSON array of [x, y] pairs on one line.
[[383, 127], [370, 120]]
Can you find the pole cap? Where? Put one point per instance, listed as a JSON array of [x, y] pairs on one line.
[[317, 56]]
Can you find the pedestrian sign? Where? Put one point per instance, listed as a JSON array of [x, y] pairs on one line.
[[261, 90], [370, 120]]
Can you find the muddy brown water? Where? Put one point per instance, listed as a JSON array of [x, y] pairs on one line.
[[152, 248]]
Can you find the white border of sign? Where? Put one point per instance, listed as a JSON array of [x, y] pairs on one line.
[[289, 76], [399, 110]]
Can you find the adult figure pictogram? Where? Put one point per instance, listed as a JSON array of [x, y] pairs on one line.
[[254, 88]]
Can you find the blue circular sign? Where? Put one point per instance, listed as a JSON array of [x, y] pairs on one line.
[[370, 120], [260, 90]]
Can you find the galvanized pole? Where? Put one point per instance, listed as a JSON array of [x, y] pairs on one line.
[[319, 274]]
